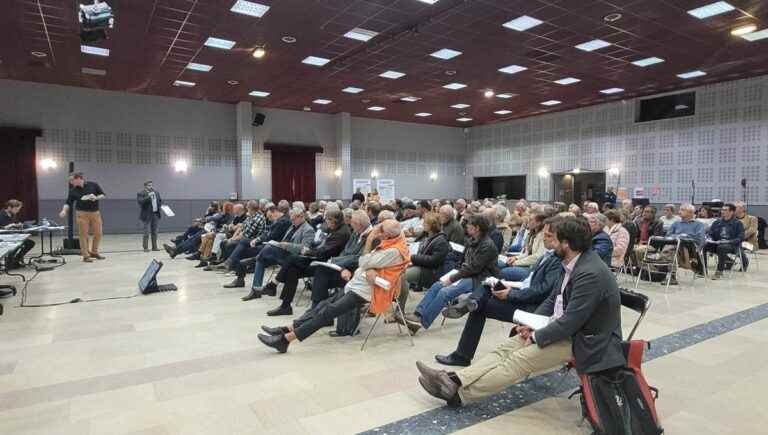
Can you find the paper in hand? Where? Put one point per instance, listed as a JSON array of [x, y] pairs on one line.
[[533, 321], [167, 210]]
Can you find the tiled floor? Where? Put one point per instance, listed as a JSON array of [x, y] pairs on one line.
[[188, 362]]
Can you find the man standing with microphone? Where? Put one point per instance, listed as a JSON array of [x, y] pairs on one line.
[[150, 202], [85, 197]]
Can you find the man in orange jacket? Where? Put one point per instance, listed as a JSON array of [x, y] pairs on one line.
[[385, 256]]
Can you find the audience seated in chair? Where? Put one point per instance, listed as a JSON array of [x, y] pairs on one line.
[[385, 255], [186, 242], [9, 220], [619, 237], [686, 229], [486, 302], [601, 241], [585, 325], [427, 263], [493, 232], [517, 266], [451, 226], [647, 226], [668, 217], [480, 257], [726, 235], [750, 229], [227, 231]]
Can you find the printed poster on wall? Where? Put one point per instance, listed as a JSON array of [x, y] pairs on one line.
[[386, 190], [639, 192], [364, 184]]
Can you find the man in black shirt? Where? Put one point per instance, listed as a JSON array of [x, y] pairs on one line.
[[149, 202], [8, 221], [85, 197]]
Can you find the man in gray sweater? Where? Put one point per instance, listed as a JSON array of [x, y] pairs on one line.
[[358, 291]]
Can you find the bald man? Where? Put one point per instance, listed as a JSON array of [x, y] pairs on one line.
[[358, 291]]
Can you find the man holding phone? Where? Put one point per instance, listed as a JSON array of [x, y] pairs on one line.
[[84, 196]]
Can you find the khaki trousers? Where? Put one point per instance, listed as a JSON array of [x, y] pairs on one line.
[[511, 362], [206, 245], [89, 220]]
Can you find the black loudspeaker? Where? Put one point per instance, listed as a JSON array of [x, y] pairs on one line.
[[258, 119], [744, 182]]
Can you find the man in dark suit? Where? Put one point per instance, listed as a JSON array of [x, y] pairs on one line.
[[149, 202], [585, 323]]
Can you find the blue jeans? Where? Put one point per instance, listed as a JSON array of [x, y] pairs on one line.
[[269, 256], [515, 273], [438, 297]]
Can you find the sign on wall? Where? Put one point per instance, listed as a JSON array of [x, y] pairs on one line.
[[386, 189], [364, 184]]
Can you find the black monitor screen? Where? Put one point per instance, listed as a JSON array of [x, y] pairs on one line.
[[149, 275]]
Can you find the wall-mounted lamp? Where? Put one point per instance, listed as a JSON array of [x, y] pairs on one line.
[[576, 170], [180, 166], [613, 171], [433, 176], [48, 164], [543, 173], [337, 173], [374, 174]]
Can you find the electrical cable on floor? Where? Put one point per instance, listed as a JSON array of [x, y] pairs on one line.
[[73, 301]]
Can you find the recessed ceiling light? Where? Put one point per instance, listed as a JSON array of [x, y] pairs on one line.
[[93, 71], [463, 119], [199, 67], [183, 84], [755, 36], [391, 74], [260, 94], [361, 34], [423, 114], [522, 23], [410, 99], [611, 91], [711, 10], [288, 39], [503, 112], [259, 52], [455, 86], [429, 2], [460, 106], [648, 61], [450, 72], [743, 30], [219, 43], [550, 103], [376, 108], [610, 18], [233, 82], [489, 93], [445, 54], [506, 96], [512, 69], [692, 74], [593, 45], [352, 90], [98, 51], [567, 81], [38, 54], [322, 101], [316, 61], [252, 9]]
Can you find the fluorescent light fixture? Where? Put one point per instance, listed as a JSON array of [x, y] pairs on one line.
[[755, 36], [567, 81], [322, 101], [648, 61], [429, 2], [93, 71], [593, 45], [252, 9], [391, 74], [463, 119], [522, 23], [219, 43], [455, 86], [506, 96], [743, 30], [445, 54], [460, 106], [376, 108], [503, 112], [512, 69], [316, 61], [410, 99], [361, 34], [610, 91], [352, 90], [423, 114], [711, 10], [260, 94], [183, 84], [199, 67], [692, 74], [550, 103], [98, 51]]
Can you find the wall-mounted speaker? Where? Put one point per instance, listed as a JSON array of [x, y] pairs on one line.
[[258, 119]]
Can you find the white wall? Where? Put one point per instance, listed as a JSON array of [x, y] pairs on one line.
[[724, 142]]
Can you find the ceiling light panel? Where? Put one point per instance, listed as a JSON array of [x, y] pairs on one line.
[[260, 94], [503, 112], [648, 61], [199, 67], [93, 71], [352, 90], [376, 108], [394, 75], [315, 60], [423, 114], [252, 9], [755, 36], [224, 44], [512, 69], [460, 106], [611, 91], [455, 86], [550, 103], [98, 51], [567, 81], [183, 84], [410, 99], [711, 10], [322, 101], [361, 34], [445, 54], [692, 74], [593, 45], [506, 96], [463, 119], [522, 23]]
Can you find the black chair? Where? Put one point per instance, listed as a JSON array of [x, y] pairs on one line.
[[636, 302]]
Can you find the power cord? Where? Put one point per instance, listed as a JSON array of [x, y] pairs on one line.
[[72, 301]]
